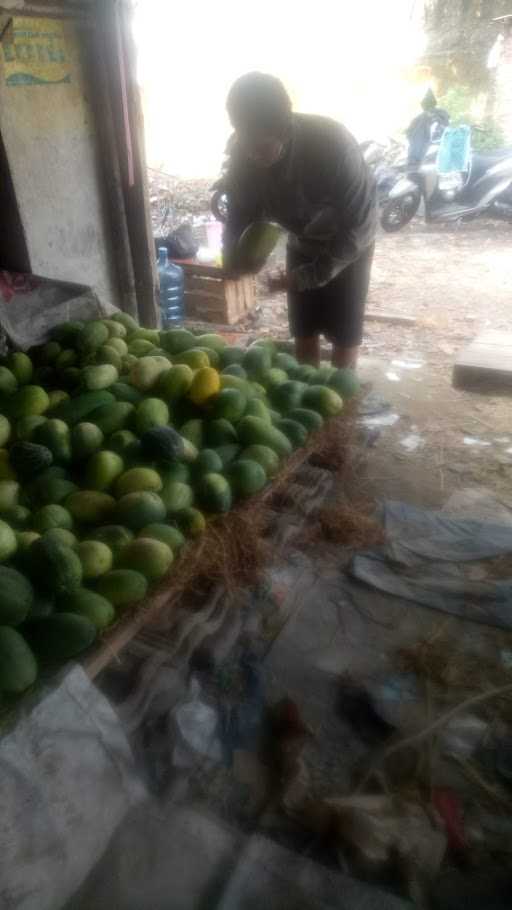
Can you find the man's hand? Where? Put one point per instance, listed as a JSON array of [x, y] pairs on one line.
[[277, 281]]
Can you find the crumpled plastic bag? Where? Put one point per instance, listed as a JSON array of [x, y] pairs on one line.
[[197, 725], [67, 780]]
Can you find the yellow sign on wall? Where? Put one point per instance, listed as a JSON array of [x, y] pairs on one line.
[[34, 52]]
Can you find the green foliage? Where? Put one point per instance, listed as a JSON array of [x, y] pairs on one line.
[[460, 102], [492, 138]]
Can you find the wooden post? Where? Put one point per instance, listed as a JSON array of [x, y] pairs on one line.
[[109, 166], [114, 17], [135, 169]]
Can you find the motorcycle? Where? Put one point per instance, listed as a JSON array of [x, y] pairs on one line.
[[486, 187], [386, 177], [388, 162], [219, 199]]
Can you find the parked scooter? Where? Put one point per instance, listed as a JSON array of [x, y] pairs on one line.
[[219, 200], [388, 161], [485, 188], [386, 177]]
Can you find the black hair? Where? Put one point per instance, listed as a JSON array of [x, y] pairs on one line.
[[260, 100], [429, 102]]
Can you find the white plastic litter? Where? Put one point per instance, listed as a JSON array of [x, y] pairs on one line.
[[68, 778], [463, 735], [393, 377], [206, 256], [381, 420], [412, 442], [407, 364], [474, 441], [197, 723]]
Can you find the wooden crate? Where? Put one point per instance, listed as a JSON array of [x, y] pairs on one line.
[[212, 297]]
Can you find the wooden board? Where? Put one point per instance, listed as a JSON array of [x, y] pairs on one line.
[[121, 634], [190, 267], [387, 317], [486, 363], [209, 286]]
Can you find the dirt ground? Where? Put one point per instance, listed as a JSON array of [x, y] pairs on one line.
[[454, 282]]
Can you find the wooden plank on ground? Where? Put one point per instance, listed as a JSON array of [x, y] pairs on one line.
[[486, 363], [390, 318]]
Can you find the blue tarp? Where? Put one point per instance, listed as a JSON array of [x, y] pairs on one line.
[[425, 560]]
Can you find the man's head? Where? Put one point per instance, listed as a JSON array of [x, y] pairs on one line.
[[429, 102], [261, 113]]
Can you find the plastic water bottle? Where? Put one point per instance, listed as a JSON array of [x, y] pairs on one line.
[[172, 297]]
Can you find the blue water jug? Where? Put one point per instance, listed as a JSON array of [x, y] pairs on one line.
[[172, 296]]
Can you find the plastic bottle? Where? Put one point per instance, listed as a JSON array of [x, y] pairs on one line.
[[172, 302]]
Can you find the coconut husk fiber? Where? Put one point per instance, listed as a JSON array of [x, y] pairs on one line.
[[443, 663], [349, 523], [233, 549], [455, 673], [334, 445], [231, 552]]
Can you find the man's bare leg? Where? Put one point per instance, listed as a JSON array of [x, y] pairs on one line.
[[307, 350], [344, 357]]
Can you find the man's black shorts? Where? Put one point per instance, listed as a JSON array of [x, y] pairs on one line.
[[335, 310]]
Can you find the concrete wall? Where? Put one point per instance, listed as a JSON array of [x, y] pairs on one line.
[[48, 134]]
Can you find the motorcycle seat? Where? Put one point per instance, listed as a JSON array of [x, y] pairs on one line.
[[496, 154], [481, 162]]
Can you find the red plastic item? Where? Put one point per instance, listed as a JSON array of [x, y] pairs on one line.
[[449, 808]]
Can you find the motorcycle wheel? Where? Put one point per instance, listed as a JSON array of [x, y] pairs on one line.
[[219, 206], [398, 212]]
